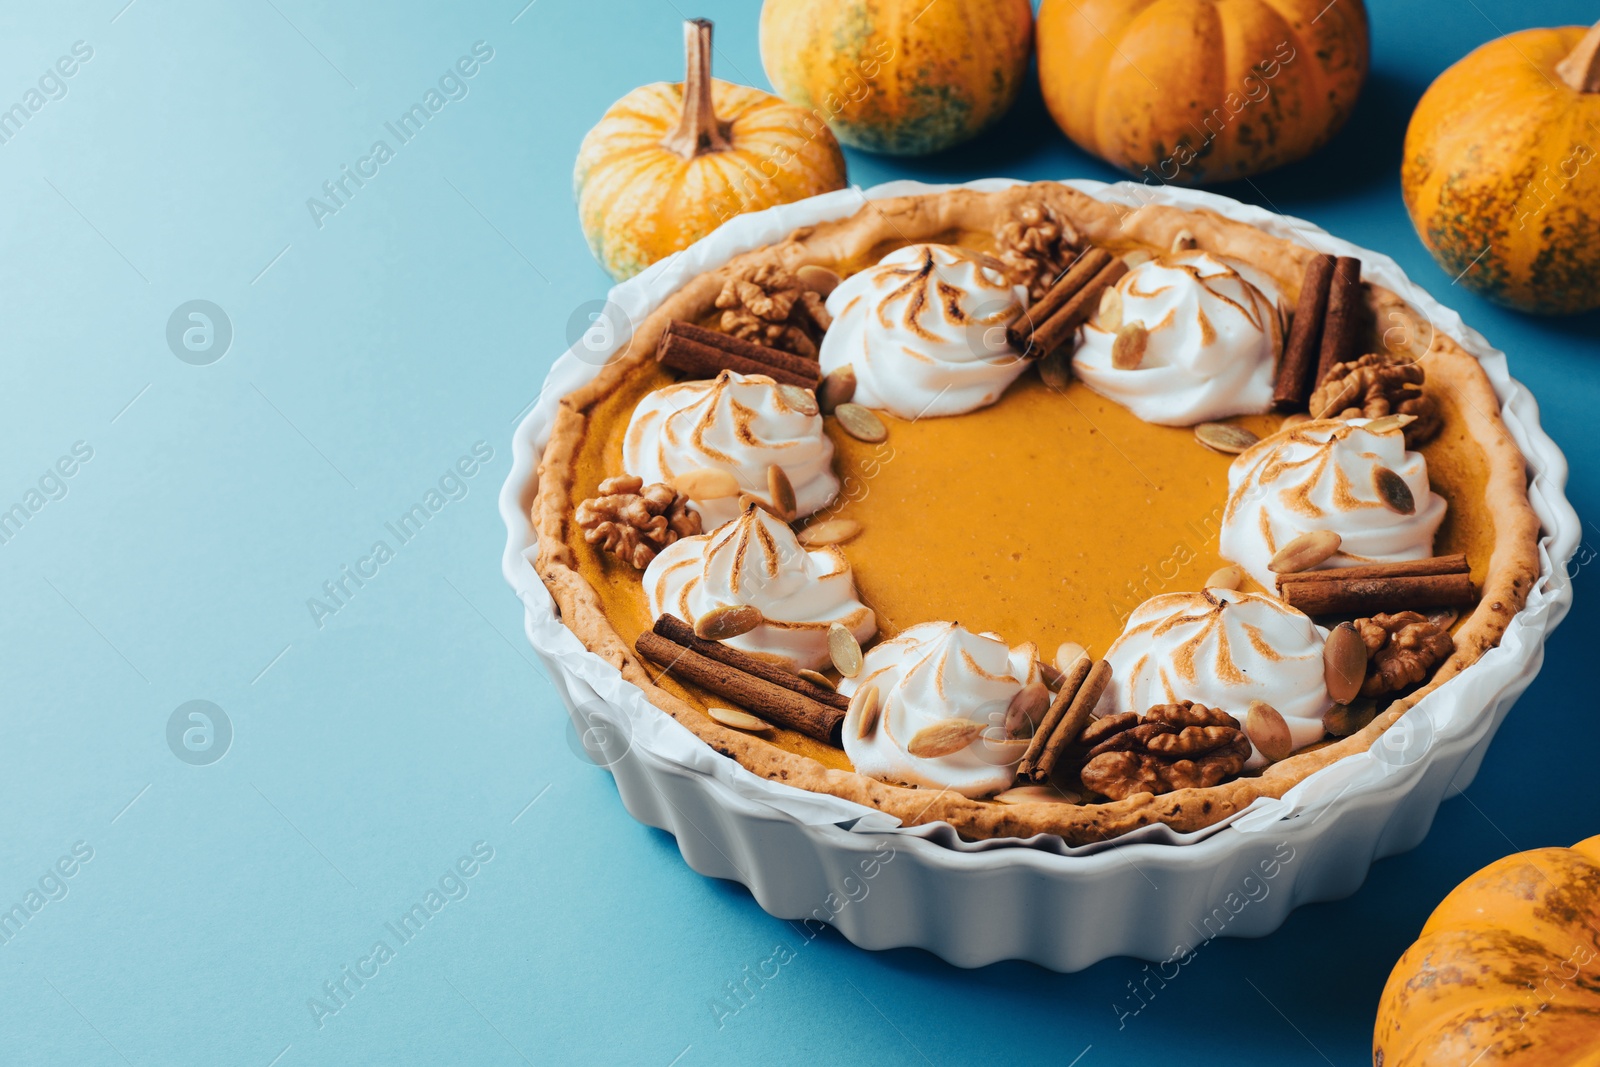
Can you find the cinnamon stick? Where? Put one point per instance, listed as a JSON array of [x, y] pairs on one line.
[[1073, 722], [1368, 596], [1297, 371], [703, 353], [1089, 262], [1346, 319], [1058, 329], [1071, 682], [679, 632], [1411, 568], [756, 695]]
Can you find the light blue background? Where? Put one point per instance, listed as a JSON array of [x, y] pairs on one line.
[[373, 751]]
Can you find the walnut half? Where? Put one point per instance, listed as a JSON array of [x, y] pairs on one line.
[[1036, 245], [771, 307], [634, 520], [1174, 746], [1402, 650], [1374, 386]]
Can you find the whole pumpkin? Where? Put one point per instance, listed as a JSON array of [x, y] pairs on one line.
[[1190, 91], [1500, 171], [667, 164], [1506, 971], [906, 77]]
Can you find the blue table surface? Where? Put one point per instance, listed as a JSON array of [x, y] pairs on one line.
[[193, 912]]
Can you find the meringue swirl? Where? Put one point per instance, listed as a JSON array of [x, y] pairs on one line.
[[1324, 476], [757, 560], [924, 331], [1214, 338], [931, 672], [737, 423], [1223, 649]]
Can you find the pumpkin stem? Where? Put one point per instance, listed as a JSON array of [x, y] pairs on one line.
[[698, 130], [1581, 69]]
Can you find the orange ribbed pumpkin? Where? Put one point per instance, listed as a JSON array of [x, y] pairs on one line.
[[1506, 972], [906, 77], [1188, 91], [1501, 175], [667, 164]]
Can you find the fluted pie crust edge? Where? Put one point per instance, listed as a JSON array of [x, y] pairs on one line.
[[1512, 569]]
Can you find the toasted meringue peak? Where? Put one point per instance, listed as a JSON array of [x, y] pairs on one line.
[[737, 423], [1324, 475], [926, 675], [1214, 335], [757, 560], [924, 332], [1221, 648]]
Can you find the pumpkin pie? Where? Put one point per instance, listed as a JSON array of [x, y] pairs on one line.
[[1053, 517]]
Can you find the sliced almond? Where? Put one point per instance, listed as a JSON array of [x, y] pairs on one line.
[[739, 720], [860, 423], [1229, 577], [1127, 351], [816, 678], [1344, 663], [727, 620], [865, 706], [1109, 315], [1184, 241], [781, 492], [819, 280], [1393, 491], [1138, 257], [798, 399], [1268, 732], [1222, 437], [837, 388], [1068, 653], [1389, 423], [1036, 794], [1055, 369], [1026, 710], [1304, 552], [844, 650], [1342, 720], [944, 737], [706, 483], [829, 532]]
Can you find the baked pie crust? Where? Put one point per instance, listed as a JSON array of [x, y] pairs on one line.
[[1481, 468]]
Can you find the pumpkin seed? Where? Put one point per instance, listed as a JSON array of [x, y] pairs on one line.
[[727, 620], [1068, 653], [844, 650], [865, 705], [1393, 491], [1268, 732], [819, 280], [1055, 369], [1344, 663], [706, 483], [739, 720], [1294, 420], [1443, 618], [1221, 437], [1138, 257], [860, 423], [1229, 577], [1036, 794], [1184, 241], [747, 501], [1026, 709], [944, 737], [816, 678], [1109, 315], [836, 388], [1127, 351], [798, 399], [1342, 720], [829, 532], [1389, 423], [781, 491], [1304, 552]]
